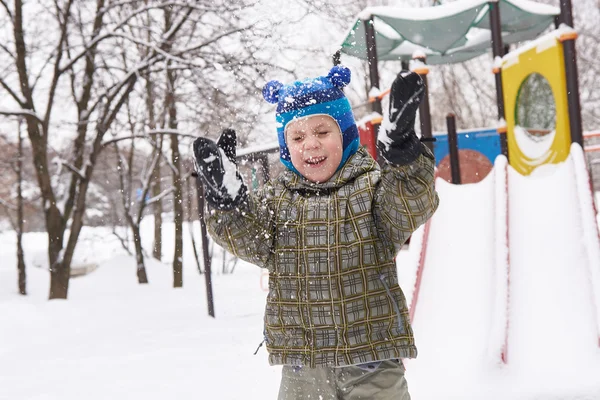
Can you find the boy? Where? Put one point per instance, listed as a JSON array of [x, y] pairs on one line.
[[328, 229]]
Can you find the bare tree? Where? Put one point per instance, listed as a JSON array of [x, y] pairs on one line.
[[134, 217], [80, 59], [171, 106], [19, 224]]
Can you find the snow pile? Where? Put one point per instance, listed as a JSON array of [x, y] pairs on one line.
[[536, 148], [116, 339]]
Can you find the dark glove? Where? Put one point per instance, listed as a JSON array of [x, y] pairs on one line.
[[398, 143], [224, 188]]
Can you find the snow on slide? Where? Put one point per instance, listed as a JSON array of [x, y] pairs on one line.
[[461, 314], [552, 314], [453, 314]]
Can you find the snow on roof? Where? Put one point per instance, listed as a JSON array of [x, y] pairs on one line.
[[451, 32], [257, 148], [470, 130], [361, 123], [541, 43], [449, 9], [534, 7], [410, 48], [422, 13], [384, 29]]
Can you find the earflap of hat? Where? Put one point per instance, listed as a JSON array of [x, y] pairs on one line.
[[339, 76], [271, 90]]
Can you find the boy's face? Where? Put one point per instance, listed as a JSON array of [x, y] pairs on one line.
[[315, 145]]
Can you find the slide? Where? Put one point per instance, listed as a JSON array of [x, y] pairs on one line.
[[551, 287], [517, 312], [452, 315]]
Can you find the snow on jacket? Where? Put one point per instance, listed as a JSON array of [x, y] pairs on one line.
[[334, 298]]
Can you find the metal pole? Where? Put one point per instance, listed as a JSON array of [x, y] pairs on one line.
[[205, 255], [570, 54], [372, 60], [498, 51], [373, 72], [264, 162], [453, 148], [424, 110], [566, 12]]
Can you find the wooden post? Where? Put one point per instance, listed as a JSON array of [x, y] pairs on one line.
[[424, 110], [498, 51], [453, 148], [336, 58], [570, 53], [205, 255]]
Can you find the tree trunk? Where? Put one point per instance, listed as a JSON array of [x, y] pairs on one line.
[[21, 265], [20, 253], [59, 276], [125, 179], [60, 272], [177, 202], [139, 255], [157, 208], [176, 160]]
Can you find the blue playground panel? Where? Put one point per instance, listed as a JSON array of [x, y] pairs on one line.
[[485, 141]]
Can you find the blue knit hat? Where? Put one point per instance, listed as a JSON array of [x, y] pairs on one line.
[[321, 95]]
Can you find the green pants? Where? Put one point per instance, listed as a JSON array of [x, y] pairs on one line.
[[375, 381]]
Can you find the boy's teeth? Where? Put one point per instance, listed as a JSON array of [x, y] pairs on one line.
[[315, 160]]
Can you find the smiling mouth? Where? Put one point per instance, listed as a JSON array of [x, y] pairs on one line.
[[315, 161]]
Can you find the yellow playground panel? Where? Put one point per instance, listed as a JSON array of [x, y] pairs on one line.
[[543, 56]]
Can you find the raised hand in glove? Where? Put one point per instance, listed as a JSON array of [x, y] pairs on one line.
[[224, 188], [397, 140]]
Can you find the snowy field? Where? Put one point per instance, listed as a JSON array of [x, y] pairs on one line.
[[115, 339]]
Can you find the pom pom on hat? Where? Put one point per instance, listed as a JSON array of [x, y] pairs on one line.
[[339, 76], [271, 91]]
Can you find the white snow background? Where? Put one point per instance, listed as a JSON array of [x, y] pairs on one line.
[[116, 339]]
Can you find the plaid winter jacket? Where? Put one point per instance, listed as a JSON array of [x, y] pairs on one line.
[[333, 295]]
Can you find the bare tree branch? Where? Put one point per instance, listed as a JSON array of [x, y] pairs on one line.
[[22, 113], [7, 50], [8, 205], [69, 64], [12, 93], [147, 136], [3, 2], [162, 195], [74, 170]]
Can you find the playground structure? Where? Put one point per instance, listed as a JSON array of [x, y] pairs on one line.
[[512, 231], [514, 258]]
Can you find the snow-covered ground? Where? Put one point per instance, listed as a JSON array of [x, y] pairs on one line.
[[115, 339]]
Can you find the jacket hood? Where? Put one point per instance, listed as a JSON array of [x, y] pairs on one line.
[[358, 164]]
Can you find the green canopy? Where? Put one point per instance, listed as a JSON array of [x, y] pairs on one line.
[[450, 33]]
